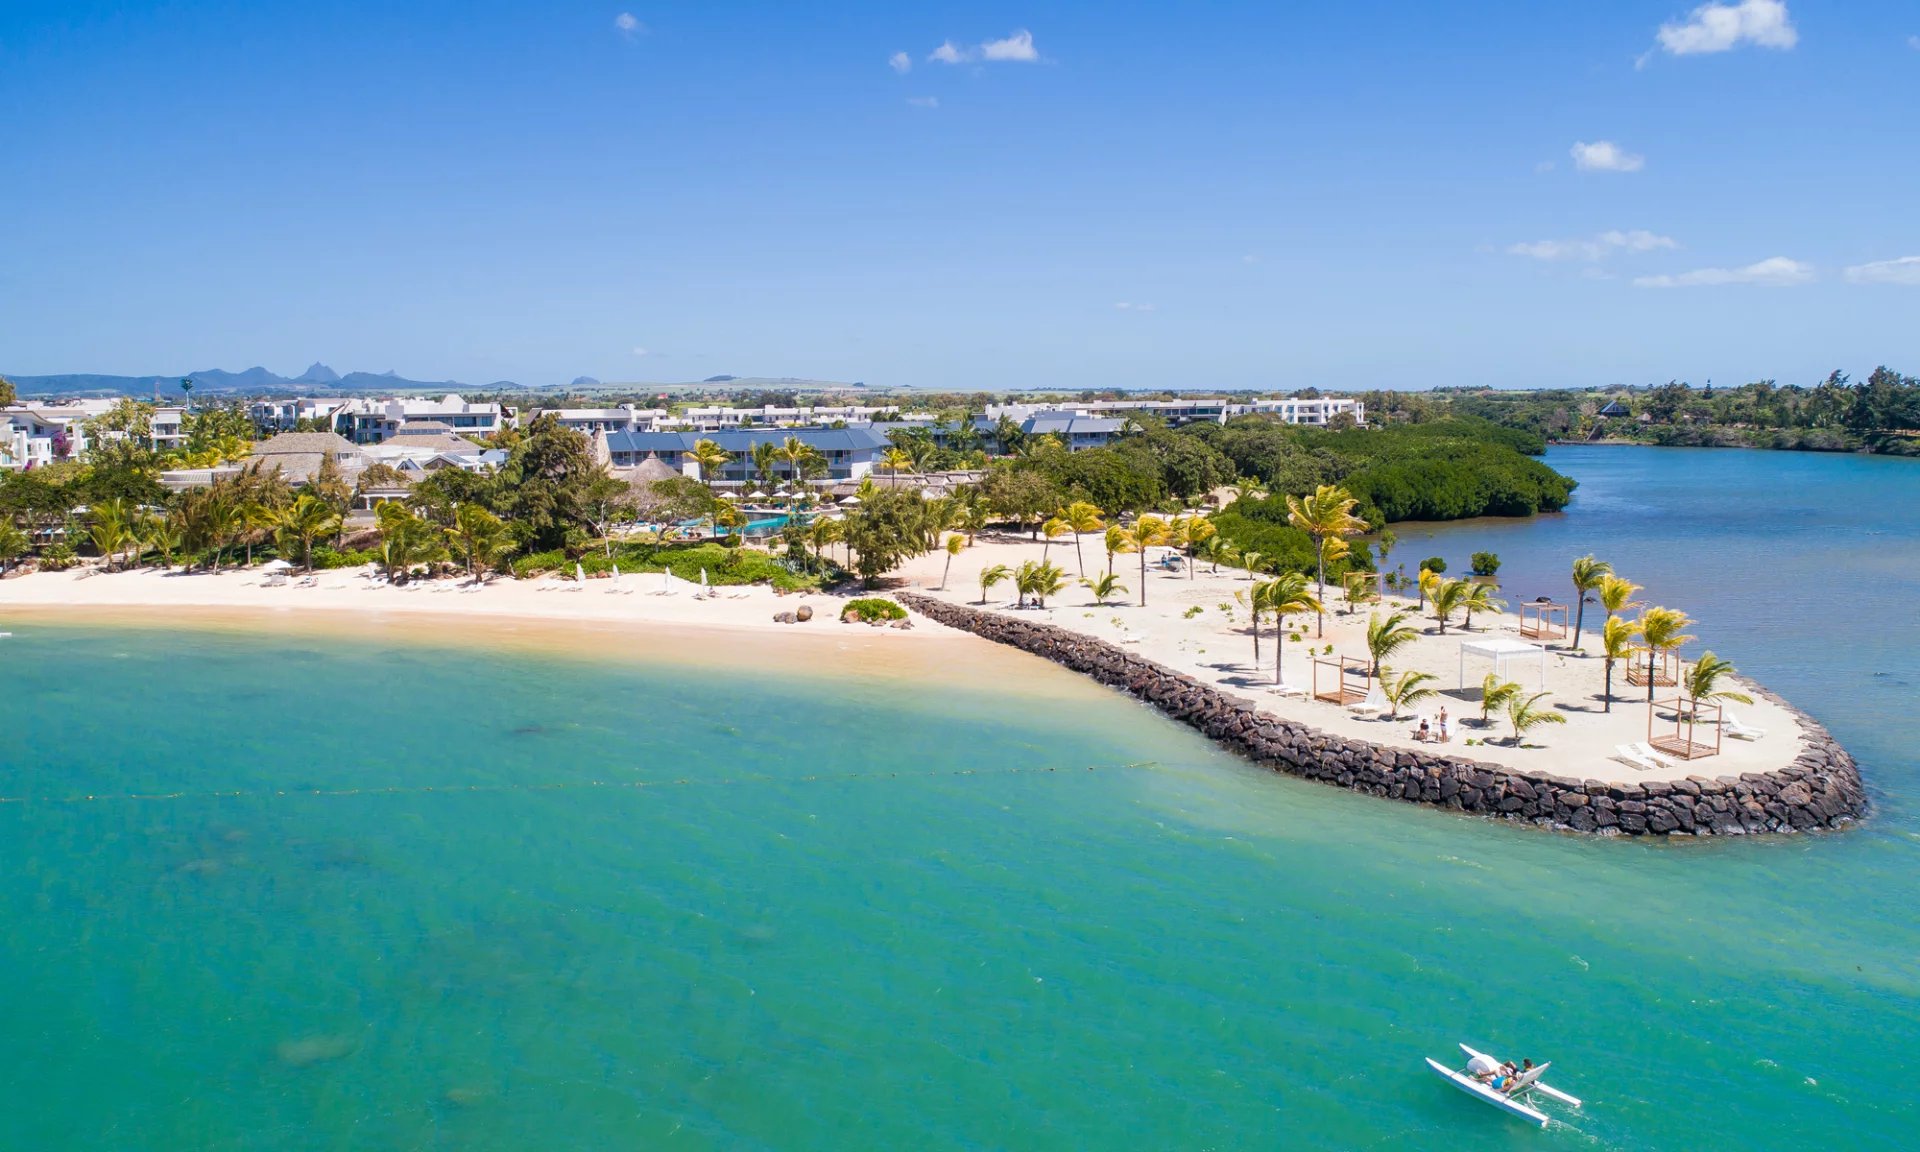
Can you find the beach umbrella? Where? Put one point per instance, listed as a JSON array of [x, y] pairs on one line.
[[276, 566], [728, 496], [580, 573], [666, 582], [703, 580], [616, 574], [851, 500]]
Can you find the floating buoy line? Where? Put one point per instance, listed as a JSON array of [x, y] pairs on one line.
[[559, 786]]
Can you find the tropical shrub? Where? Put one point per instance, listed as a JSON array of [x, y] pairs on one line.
[[867, 609], [1486, 563]]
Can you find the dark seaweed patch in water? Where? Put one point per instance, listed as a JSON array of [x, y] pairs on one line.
[[529, 730]]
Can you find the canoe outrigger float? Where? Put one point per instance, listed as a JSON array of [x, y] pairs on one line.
[[1517, 1100]]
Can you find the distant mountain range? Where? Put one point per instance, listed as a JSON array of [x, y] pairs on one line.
[[217, 381]]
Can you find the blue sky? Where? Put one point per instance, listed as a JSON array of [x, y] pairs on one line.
[[1230, 194]]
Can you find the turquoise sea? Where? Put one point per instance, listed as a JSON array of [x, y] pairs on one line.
[[281, 892]]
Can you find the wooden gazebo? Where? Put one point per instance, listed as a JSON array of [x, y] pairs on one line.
[[1544, 620], [1661, 668], [1688, 717], [1341, 679]]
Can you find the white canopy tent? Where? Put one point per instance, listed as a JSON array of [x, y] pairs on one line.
[[1501, 650]]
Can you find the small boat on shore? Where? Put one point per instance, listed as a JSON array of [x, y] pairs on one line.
[[1517, 1100]]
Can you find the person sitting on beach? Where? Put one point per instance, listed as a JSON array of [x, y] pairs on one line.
[[1423, 733]]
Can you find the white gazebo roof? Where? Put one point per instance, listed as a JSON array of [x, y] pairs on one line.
[[1500, 649]]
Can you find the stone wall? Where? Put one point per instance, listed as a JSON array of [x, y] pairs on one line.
[[1820, 789]]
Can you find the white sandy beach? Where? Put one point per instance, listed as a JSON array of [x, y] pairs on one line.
[[1218, 649]]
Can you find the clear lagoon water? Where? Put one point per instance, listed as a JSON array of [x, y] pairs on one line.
[[279, 892]]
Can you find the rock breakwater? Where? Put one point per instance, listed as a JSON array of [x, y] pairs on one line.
[[1821, 788]]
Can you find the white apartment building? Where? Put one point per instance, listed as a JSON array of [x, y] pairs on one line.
[[272, 416], [371, 421], [625, 418], [770, 416], [1293, 410]]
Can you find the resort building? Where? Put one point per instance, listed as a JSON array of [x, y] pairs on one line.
[[722, 419], [271, 416], [851, 453], [428, 446], [1317, 411], [625, 418], [371, 421]]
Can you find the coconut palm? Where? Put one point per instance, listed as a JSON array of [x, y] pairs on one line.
[[1253, 562], [1200, 533], [1703, 681], [1103, 587], [1616, 594], [1148, 532], [711, 458], [896, 461], [307, 519], [14, 544], [1404, 688], [1389, 635], [1053, 528], [1427, 582], [110, 527], [1039, 580], [1587, 574], [1118, 540], [1325, 515], [1285, 595], [765, 457], [1495, 694], [991, 576], [1448, 596], [482, 538], [1082, 518], [1616, 646], [1526, 712], [1479, 598], [1219, 551], [1660, 629], [956, 543]]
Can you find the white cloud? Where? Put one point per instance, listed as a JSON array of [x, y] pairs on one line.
[[924, 101], [1724, 27], [1913, 42], [1249, 258], [1596, 248], [638, 351], [1124, 306], [1017, 47], [628, 23], [1905, 270], [900, 62], [1775, 272], [1605, 156]]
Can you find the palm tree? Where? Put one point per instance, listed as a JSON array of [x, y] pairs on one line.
[[765, 455], [1404, 688], [1200, 533], [1479, 598], [1587, 574], [1660, 629], [1448, 596], [1039, 580], [955, 544], [1148, 532], [1083, 518], [1703, 681], [482, 538], [1616, 594], [1325, 515], [1525, 712], [821, 533], [1427, 582], [711, 458], [991, 576], [1285, 595], [14, 544], [1053, 529], [1495, 694], [1118, 540], [1616, 645], [1217, 550], [1253, 562], [307, 519], [1103, 587], [896, 460], [1385, 637], [110, 528]]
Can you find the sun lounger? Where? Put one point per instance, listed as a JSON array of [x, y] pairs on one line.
[[1731, 725], [1286, 690], [1641, 755], [1376, 701]]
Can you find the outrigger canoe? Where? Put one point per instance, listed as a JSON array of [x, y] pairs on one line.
[[1518, 1101]]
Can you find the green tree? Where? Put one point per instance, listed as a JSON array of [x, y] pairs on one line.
[[110, 527], [7, 393], [1616, 645], [1448, 597], [884, 530], [991, 576], [1587, 574], [1147, 532], [1039, 579], [14, 546], [956, 543], [1387, 636], [1325, 515], [1525, 713], [1661, 630], [1703, 681], [1082, 518], [1285, 595], [483, 539], [1404, 688], [1495, 694], [546, 479], [1479, 598], [1616, 594], [406, 539], [307, 519], [711, 458], [1103, 588]]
